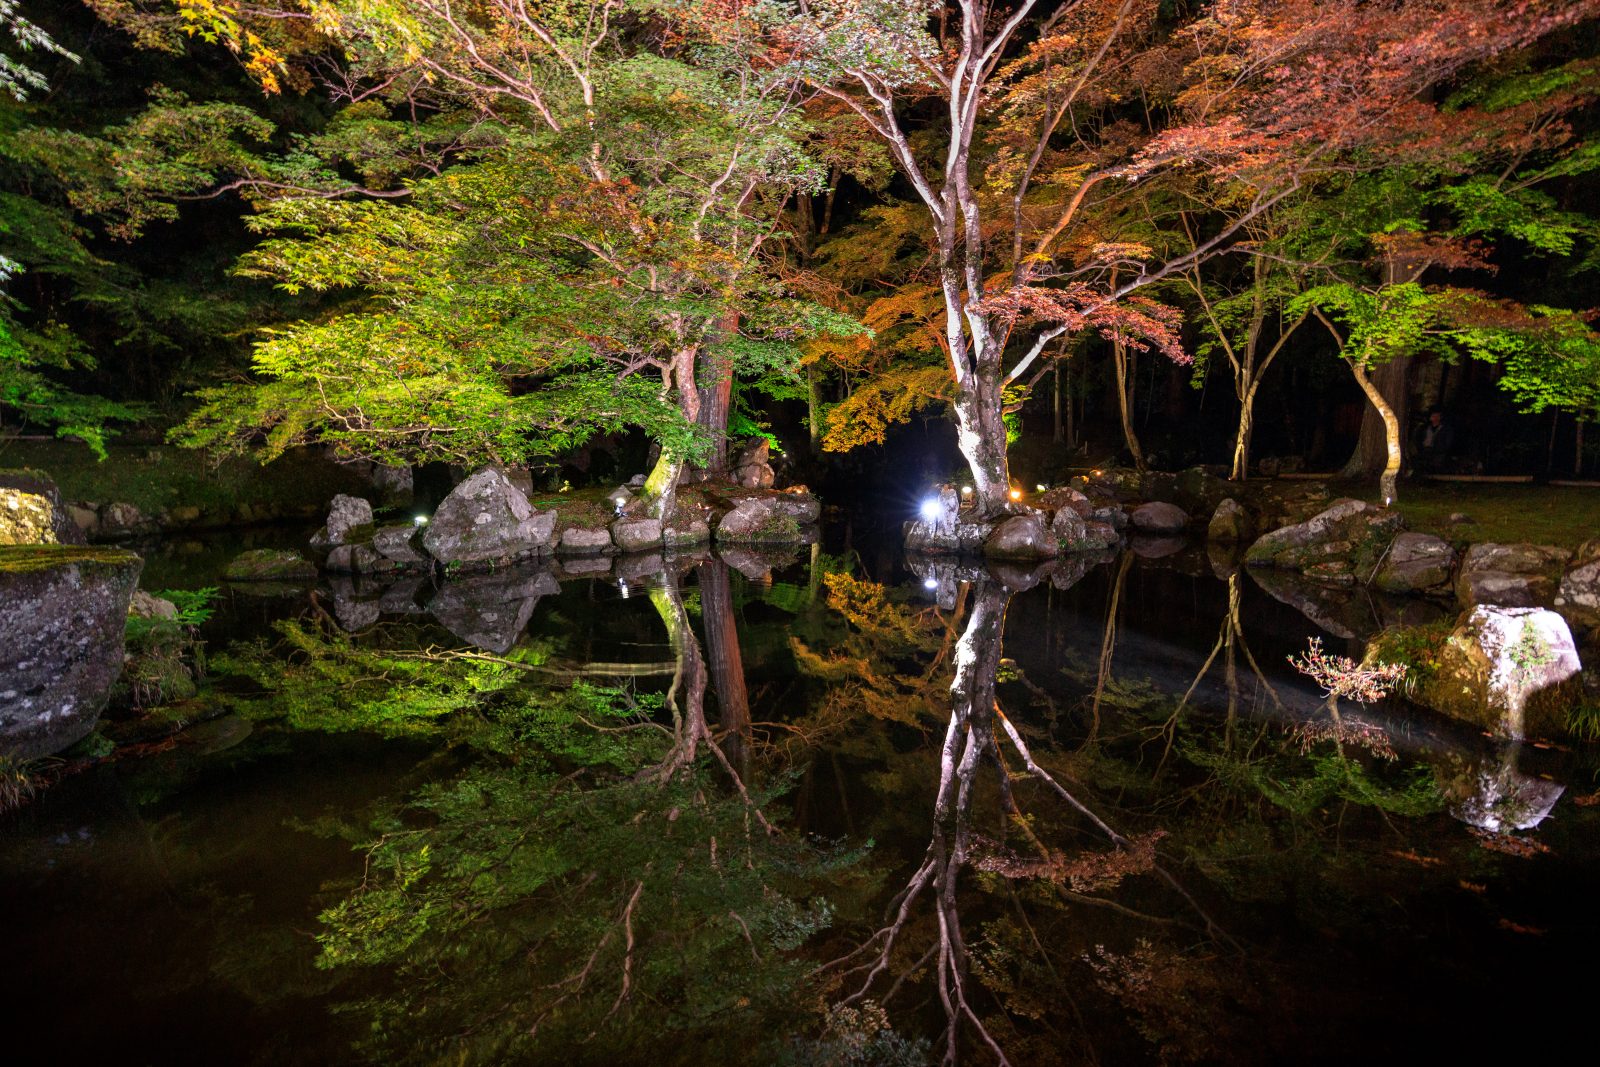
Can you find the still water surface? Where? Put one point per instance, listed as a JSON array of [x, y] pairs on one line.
[[822, 807]]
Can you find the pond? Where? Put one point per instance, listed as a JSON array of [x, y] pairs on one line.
[[822, 807]]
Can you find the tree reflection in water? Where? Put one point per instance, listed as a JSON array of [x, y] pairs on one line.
[[605, 868], [980, 735]]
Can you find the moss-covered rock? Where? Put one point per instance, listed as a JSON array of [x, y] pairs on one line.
[[1353, 534], [61, 641], [31, 512], [270, 565], [1511, 671]]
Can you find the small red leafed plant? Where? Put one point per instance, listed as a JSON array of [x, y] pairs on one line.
[[1341, 676]]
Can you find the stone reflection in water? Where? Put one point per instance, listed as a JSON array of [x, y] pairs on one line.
[[490, 611], [1489, 789]]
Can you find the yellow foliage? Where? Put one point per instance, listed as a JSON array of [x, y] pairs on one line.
[[892, 397]]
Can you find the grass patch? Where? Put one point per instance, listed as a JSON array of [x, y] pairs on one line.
[[1540, 514]]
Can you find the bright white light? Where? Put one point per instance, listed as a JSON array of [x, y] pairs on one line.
[[622, 587], [1040, 488], [930, 583], [966, 490], [420, 520], [929, 509], [1016, 494]]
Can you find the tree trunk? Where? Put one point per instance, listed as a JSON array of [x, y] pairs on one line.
[[1240, 471], [716, 398], [1119, 356], [725, 661], [1391, 380], [660, 495], [814, 409], [981, 436], [1056, 429], [1389, 478]]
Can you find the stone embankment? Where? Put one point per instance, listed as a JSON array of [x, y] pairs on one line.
[[489, 521]]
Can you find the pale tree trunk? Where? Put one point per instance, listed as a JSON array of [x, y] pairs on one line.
[[1390, 381], [1389, 478], [981, 436], [1241, 442]]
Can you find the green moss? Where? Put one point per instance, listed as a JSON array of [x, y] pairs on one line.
[[28, 559], [1417, 648]]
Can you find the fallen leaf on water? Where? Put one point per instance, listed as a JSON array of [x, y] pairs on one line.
[[1412, 857]]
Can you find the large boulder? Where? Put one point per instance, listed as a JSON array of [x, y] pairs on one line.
[[1342, 544], [636, 533], [799, 505], [61, 641], [122, 520], [1022, 537], [487, 518], [358, 559], [751, 466], [31, 512], [1416, 563], [1073, 533], [1511, 671], [1053, 500], [1158, 517], [270, 565], [1230, 524], [757, 520], [1511, 576], [1579, 595], [685, 531], [398, 544], [349, 519], [585, 541]]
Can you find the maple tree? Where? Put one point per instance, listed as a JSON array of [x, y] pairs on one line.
[[1023, 184]]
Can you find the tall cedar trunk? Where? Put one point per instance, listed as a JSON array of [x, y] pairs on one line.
[[1119, 356], [1057, 431], [1389, 478], [981, 436], [716, 397], [725, 660], [814, 410]]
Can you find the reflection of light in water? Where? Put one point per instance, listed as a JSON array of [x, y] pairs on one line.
[[1491, 792], [622, 587]]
